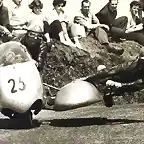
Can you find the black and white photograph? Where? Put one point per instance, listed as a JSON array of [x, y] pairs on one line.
[[71, 71]]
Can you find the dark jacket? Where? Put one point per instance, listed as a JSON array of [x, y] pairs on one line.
[[130, 74], [4, 16], [106, 16]]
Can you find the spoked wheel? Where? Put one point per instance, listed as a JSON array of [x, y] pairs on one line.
[[24, 119]]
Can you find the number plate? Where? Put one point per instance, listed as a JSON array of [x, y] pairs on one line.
[[20, 80], [17, 85], [12, 82]]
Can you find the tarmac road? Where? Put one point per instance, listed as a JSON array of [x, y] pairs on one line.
[[89, 125]]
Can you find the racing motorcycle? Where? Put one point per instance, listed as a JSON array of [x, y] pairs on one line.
[[21, 87], [101, 86]]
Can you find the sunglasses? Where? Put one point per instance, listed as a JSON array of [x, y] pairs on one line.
[[60, 5]]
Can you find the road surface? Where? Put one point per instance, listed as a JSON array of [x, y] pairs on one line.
[[89, 125]]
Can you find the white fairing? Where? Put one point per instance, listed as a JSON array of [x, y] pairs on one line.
[[20, 86], [20, 81], [76, 94]]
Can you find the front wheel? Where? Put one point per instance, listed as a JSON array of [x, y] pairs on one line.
[[25, 119]]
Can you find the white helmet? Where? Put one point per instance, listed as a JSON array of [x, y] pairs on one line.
[[101, 67]]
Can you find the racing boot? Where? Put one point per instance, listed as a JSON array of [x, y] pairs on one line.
[[114, 49], [108, 100]]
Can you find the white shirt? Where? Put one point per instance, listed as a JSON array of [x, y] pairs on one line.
[[131, 22], [89, 19], [18, 15], [54, 16], [35, 22]]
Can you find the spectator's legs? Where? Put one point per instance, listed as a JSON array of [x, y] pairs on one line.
[[74, 35], [101, 35], [119, 27], [136, 36], [117, 33], [54, 29], [66, 35], [33, 46], [56, 32], [121, 22], [19, 34]]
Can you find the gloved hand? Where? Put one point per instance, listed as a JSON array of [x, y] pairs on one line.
[[113, 84]]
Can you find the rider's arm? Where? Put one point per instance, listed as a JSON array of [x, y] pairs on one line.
[[129, 87]]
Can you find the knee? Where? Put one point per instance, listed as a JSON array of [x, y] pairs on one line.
[[73, 25], [55, 22], [117, 30], [124, 19]]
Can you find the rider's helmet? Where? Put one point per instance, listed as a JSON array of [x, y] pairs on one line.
[[100, 68]]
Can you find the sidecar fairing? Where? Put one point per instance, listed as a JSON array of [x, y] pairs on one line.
[[21, 87], [76, 94]]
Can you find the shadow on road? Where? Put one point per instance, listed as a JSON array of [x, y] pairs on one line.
[[16, 124], [78, 122]]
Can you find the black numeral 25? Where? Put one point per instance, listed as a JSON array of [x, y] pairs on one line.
[[13, 89]]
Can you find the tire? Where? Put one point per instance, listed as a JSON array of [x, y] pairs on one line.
[[25, 119], [7, 112]]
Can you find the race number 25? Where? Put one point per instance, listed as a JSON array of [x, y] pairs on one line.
[[21, 85]]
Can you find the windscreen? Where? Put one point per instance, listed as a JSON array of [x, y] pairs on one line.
[[12, 53]]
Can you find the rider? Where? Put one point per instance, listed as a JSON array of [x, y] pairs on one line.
[[127, 77]]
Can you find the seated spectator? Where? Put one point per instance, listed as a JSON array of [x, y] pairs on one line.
[[34, 40], [107, 15], [90, 24], [18, 18], [134, 22], [134, 29], [4, 16], [69, 29], [18, 13]]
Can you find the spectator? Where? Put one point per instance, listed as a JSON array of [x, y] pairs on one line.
[[90, 24], [34, 40], [18, 18], [107, 15], [135, 27], [134, 22], [69, 29], [18, 14]]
